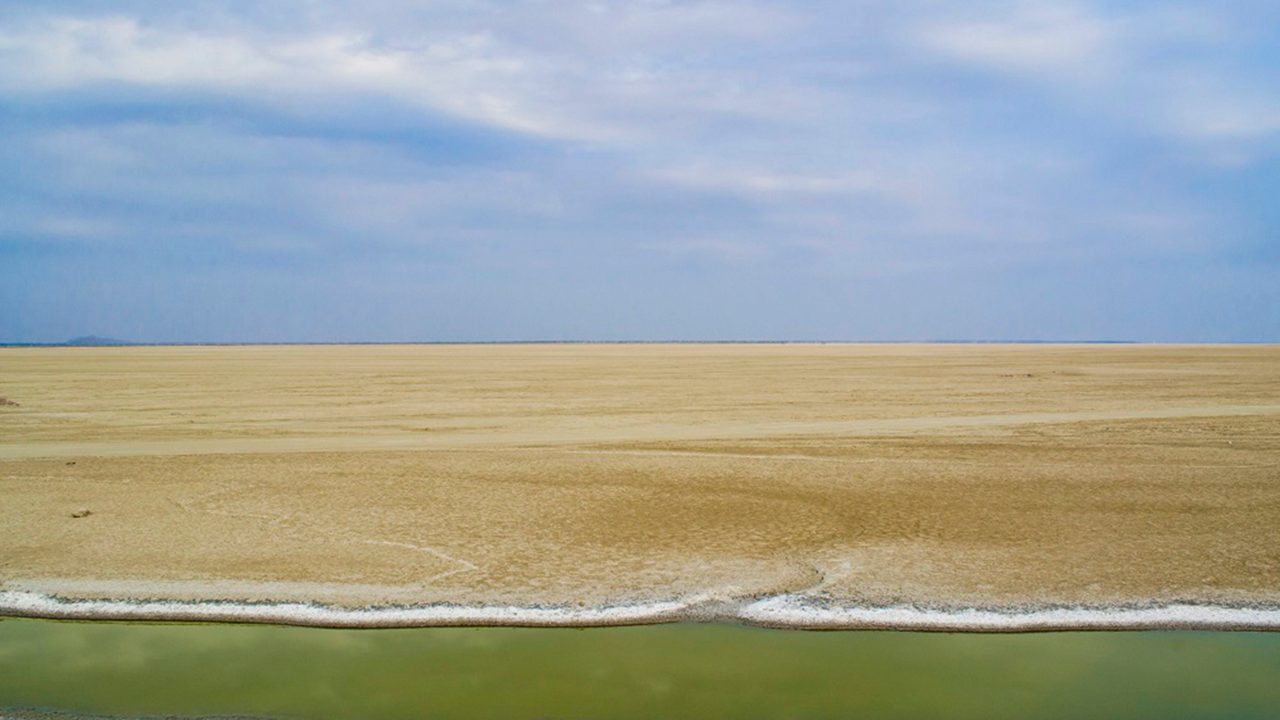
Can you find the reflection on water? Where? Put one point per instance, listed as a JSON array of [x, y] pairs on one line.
[[703, 671]]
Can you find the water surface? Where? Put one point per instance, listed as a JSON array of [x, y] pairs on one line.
[[704, 671]]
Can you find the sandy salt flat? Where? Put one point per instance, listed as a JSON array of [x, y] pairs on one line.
[[720, 480]]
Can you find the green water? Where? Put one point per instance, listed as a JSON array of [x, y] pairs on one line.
[[667, 671]]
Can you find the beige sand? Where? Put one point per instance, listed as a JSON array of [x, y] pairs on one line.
[[945, 476]]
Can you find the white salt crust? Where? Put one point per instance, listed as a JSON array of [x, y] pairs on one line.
[[784, 611]]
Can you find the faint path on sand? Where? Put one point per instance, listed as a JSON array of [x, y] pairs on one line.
[[765, 455], [643, 432]]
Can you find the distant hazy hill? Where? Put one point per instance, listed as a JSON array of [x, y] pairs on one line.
[[95, 340]]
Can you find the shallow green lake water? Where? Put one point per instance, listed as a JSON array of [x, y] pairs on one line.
[[667, 671]]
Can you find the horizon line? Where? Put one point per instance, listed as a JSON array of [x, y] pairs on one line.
[[946, 341]]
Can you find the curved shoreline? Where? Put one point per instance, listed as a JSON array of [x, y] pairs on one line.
[[783, 612]]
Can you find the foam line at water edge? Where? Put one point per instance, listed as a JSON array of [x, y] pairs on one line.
[[783, 611]]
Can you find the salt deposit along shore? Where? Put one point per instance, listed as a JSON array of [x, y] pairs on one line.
[[964, 487], [780, 612]]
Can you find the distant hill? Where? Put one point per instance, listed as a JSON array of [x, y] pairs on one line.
[[94, 340]]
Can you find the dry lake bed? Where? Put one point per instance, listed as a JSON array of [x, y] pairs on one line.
[[936, 486]]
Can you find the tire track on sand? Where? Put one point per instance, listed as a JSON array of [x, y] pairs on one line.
[[203, 503]]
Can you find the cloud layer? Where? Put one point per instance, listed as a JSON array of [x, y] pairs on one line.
[[475, 170]]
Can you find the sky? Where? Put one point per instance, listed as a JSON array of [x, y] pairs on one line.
[[473, 170]]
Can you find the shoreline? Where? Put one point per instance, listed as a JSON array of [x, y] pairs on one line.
[[780, 612], [910, 487]]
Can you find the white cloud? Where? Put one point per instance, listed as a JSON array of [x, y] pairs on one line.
[[599, 73], [828, 128], [772, 184], [1030, 37], [1211, 107], [71, 52], [1164, 70], [467, 76]]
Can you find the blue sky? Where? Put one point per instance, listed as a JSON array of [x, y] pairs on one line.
[[474, 170]]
